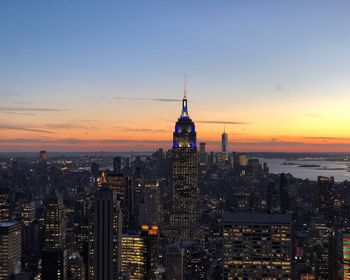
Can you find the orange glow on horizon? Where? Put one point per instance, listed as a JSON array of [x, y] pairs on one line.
[[141, 126]]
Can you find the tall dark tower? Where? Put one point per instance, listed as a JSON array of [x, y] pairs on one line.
[[54, 254], [107, 234], [184, 177], [284, 195], [224, 140]]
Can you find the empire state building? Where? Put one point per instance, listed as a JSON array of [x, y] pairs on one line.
[[184, 177]]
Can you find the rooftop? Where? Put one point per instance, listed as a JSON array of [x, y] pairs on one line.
[[231, 217], [7, 224]]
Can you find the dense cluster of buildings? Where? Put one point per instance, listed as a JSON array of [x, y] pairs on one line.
[[180, 214]]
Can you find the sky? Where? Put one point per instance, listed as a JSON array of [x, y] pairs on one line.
[[81, 75]]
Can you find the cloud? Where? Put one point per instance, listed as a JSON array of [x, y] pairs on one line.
[[66, 126], [148, 99], [222, 122], [21, 114], [30, 109], [22, 128], [130, 129], [79, 141], [326, 138]]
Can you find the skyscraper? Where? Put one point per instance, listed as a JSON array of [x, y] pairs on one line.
[[117, 165], [203, 157], [317, 249], [150, 206], [42, 156], [134, 252], [257, 246], [55, 228], [202, 147], [107, 225], [117, 184], [10, 249], [284, 195], [54, 264], [224, 140], [4, 204], [342, 254], [174, 263], [184, 177], [326, 195], [54, 254]]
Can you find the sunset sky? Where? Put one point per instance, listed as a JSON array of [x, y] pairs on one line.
[[80, 75]]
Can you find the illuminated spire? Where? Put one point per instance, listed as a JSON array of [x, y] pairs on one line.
[[185, 87], [184, 112]]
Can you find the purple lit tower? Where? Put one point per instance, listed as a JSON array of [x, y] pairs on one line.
[[184, 218]]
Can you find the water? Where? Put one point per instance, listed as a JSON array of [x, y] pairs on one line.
[[340, 170]]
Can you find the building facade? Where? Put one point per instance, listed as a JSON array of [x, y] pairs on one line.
[[10, 249], [257, 246]]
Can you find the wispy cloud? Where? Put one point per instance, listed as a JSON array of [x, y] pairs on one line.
[[148, 99], [23, 128], [326, 138], [222, 122], [66, 126], [131, 129], [31, 109], [21, 114], [80, 141]]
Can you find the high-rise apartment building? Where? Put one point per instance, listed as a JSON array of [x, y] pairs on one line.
[[150, 206], [133, 260], [10, 249], [257, 246]]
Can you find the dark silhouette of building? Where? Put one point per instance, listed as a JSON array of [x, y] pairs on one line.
[[326, 196], [224, 141], [284, 195], [54, 264], [95, 169], [117, 165], [107, 234]]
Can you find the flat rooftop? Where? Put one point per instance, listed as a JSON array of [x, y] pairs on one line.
[[231, 217], [8, 224]]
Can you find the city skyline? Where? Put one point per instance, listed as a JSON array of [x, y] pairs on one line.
[[90, 77]]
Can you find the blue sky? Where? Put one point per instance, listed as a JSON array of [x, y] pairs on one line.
[[70, 54]]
